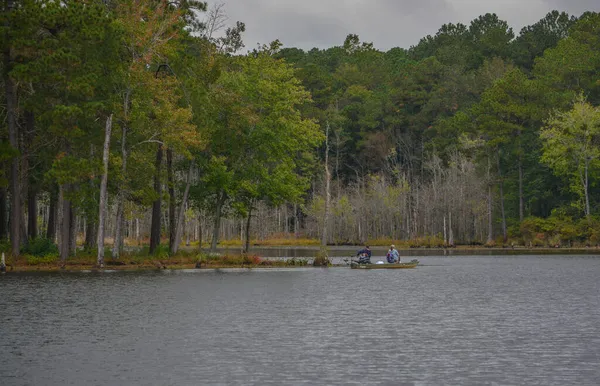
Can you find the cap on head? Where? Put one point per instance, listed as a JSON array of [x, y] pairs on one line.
[[393, 246]]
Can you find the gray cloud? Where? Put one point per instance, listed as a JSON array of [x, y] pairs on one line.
[[575, 7], [386, 23]]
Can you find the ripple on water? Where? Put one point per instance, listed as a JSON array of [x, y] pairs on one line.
[[461, 320]]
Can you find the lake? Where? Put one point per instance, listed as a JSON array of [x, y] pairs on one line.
[[460, 320]]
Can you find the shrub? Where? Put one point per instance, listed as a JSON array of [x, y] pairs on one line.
[[251, 260], [40, 247], [322, 258], [567, 233], [536, 242], [37, 260], [490, 244], [4, 246], [297, 262], [535, 228]]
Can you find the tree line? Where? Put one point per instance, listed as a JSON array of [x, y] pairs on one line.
[[142, 120], [475, 135]]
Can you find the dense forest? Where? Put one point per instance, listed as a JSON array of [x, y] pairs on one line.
[[134, 122]]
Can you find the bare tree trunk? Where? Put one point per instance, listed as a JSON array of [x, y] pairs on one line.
[[327, 190], [445, 232], [490, 237], [13, 136], [137, 230], [129, 226], [172, 198], [296, 219], [156, 206], [180, 218], [118, 243], [586, 189], [451, 234], [199, 234], [337, 162], [248, 221], [187, 232], [72, 231], [217, 224], [103, 184]]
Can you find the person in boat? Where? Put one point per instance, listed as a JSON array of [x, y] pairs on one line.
[[393, 257], [364, 255]]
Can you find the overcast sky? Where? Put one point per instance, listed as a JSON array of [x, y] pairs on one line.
[[385, 23]]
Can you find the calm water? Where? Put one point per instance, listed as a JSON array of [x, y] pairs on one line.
[[339, 252], [526, 320]]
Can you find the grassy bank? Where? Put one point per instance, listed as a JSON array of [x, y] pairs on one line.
[[86, 260]]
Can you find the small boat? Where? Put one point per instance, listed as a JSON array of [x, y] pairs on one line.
[[411, 264]]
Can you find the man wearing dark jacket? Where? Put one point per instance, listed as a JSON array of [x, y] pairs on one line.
[[364, 255]]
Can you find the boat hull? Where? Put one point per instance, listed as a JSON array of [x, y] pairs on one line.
[[412, 264]]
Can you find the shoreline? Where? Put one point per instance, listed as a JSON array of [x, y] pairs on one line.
[[178, 263]]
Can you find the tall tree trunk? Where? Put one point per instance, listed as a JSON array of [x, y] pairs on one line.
[[51, 229], [490, 238], [450, 233], [445, 232], [137, 231], [32, 223], [248, 221], [186, 226], [72, 231], [23, 222], [199, 233], [65, 228], [3, 213], [586, 190], [103, 184], [118, 238], [156, 205], [180, 218], [90, 220], [502, 211], [120, 217], [521, 198], [296, 219], [27, 182], [171, 187], [327, 190], [91, 236], [217, 224], [118, 243], [13, 136]]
